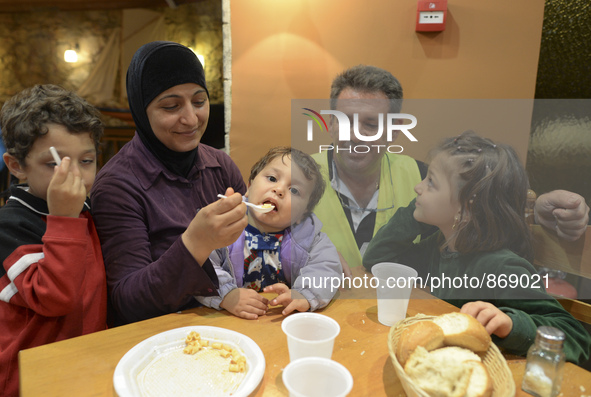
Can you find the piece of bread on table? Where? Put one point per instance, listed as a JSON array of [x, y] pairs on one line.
[[449, 372], [463, 330], [423, 333]]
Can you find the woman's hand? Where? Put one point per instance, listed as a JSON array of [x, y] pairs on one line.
[[215, 226], [494, 320], [245, 303], [66, 192], [290, 299]]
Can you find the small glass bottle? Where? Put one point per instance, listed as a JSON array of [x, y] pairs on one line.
[[545, 360]]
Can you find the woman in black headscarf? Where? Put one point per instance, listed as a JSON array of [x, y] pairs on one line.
[[155, 202]]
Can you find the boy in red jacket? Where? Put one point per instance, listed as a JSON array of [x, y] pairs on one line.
[[52, 278]]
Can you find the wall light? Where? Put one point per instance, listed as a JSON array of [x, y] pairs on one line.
[[71, 56], [199, 56]]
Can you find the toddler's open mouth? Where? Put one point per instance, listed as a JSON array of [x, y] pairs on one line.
[[268, 203]]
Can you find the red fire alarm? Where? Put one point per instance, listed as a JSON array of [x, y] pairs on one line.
[[431, 15]]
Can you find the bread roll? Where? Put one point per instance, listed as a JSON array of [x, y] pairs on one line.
[[422, 333], [455, 354], [480, 384], [449, 372], [463, 330], [439, 375]]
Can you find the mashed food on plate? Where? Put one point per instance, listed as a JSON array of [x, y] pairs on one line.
[[202, 367]]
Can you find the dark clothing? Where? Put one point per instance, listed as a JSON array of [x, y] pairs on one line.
[[141, 209]]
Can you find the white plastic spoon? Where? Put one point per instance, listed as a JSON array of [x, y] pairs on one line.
[[56, 156], [259, 208]]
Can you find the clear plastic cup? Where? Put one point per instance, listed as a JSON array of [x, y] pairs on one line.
[[317, 377], [310, 335], [395, 283]]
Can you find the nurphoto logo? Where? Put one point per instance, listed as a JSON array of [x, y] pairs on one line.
[[393, 123]]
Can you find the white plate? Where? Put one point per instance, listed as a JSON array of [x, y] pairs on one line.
[[125, 378]]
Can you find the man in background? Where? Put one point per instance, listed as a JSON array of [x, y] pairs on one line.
[[364, 190]]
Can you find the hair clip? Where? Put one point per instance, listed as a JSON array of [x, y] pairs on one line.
[[470, 160], [479, 150], [494, 146]]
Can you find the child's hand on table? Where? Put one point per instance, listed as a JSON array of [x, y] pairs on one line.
[[494, 320], [291, 300], [245, 303]]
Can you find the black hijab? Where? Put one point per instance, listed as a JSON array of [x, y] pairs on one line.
[[154, 68]]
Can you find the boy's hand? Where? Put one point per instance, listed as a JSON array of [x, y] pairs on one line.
[[291, 300], [215, 226], [245, 303], [494, 320], [66, 192]]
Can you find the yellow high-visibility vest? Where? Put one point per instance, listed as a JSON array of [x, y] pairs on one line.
[[397, 182]]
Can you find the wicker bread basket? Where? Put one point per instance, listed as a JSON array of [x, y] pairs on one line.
[[493, 360]]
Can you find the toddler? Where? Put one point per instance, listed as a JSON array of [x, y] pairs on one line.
[[281, 251]]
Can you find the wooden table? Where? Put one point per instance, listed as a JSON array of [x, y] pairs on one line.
[[84, 366]]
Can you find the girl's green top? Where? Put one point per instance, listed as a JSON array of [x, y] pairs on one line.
[[501, 277]]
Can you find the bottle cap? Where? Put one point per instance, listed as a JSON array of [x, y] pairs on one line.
[[553, 337]]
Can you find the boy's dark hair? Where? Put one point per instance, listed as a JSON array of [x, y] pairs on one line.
[[309, 168], [367, 78], [25, 116], [492, 190]]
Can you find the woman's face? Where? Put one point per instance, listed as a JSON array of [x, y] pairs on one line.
[[179, 115]]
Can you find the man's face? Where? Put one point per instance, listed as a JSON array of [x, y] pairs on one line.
[[368, 106]]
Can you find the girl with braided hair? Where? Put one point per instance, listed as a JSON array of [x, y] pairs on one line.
[[475, 192]]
